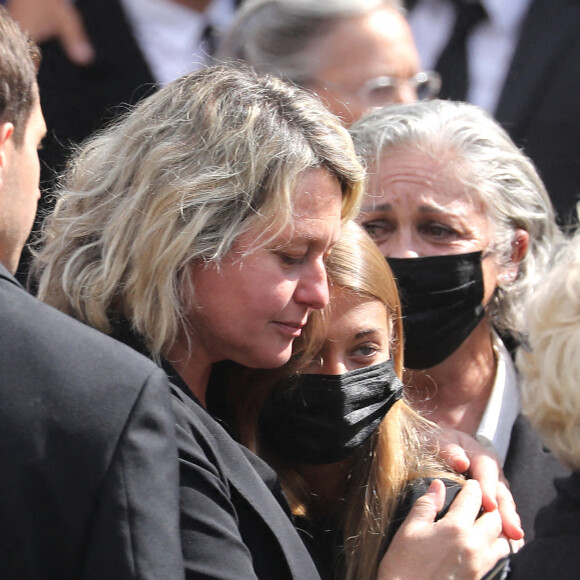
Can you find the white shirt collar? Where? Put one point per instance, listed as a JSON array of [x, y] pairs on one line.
[[506, 15], [169, 34], [503, 407]]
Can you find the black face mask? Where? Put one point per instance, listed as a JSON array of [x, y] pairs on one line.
[[441, 297], [319, 419]]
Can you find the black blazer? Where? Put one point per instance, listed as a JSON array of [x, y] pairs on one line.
[[233, 527], [89, 482], [539, 105], [530, 469], [555, 553], [78, 100]]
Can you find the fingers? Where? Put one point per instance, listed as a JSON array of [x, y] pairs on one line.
[[467, 505], [461, 545], [489, 526], [73, 37], [484, 467], [454, 456], [403, 560], [512, 525], [428, 505], [459, 449], [60, 19], [446, 444]]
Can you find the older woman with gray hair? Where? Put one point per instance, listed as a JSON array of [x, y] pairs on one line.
[[467, 227], [355, 54]]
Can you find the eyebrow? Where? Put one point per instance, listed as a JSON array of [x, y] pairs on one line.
[[389, 207], [380, 207], [366, 332]]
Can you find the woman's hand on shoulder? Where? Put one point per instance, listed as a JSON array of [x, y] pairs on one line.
[[463, 453], [463, 545]]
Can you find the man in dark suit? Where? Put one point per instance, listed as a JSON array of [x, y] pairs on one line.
[[538, 79], [89, 482]]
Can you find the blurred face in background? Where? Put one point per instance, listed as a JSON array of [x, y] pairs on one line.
[[367, 61]]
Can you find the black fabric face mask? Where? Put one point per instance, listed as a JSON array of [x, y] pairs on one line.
[[441, 297], [318, 419]]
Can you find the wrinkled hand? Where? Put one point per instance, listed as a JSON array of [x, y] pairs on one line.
[[54, 19], [463, 454], [460, 546]]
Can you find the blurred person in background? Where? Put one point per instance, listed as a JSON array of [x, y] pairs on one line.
[[519, 61], [129, 48], [355, 54]]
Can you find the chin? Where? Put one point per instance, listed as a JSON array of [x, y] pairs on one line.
[[271, 360]]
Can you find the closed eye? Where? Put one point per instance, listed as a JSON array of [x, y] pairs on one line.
[[290, 260]]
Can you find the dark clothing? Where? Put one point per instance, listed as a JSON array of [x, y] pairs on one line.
[[530, 469], [555, 553], [538, 103], [78, 100], [89, 480], [235, 522], [323, 536]]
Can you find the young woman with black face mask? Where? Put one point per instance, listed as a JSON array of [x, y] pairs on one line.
[[335, 424], [466, 225]]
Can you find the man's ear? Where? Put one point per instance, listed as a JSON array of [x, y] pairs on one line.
[[520, 245], [6, 132]]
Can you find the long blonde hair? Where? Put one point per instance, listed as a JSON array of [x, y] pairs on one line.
[[394, 455]]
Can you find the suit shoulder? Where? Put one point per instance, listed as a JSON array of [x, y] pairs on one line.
[[29, 323]]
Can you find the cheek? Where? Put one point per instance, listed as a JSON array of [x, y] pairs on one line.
[[491, 279]]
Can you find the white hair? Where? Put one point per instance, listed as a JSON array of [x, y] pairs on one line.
[[550, 365], [280, 36]]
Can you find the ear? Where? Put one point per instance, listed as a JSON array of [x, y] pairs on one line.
[[519, 246], [519, 250], [6, 132]]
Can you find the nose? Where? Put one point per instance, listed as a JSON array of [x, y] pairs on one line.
[[406, 94], [399, 246], [333, 366], [402, 253], [312, 287]]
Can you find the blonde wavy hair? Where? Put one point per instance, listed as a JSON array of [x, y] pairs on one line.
[[177, 180], [549, 363], [395, 454]]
